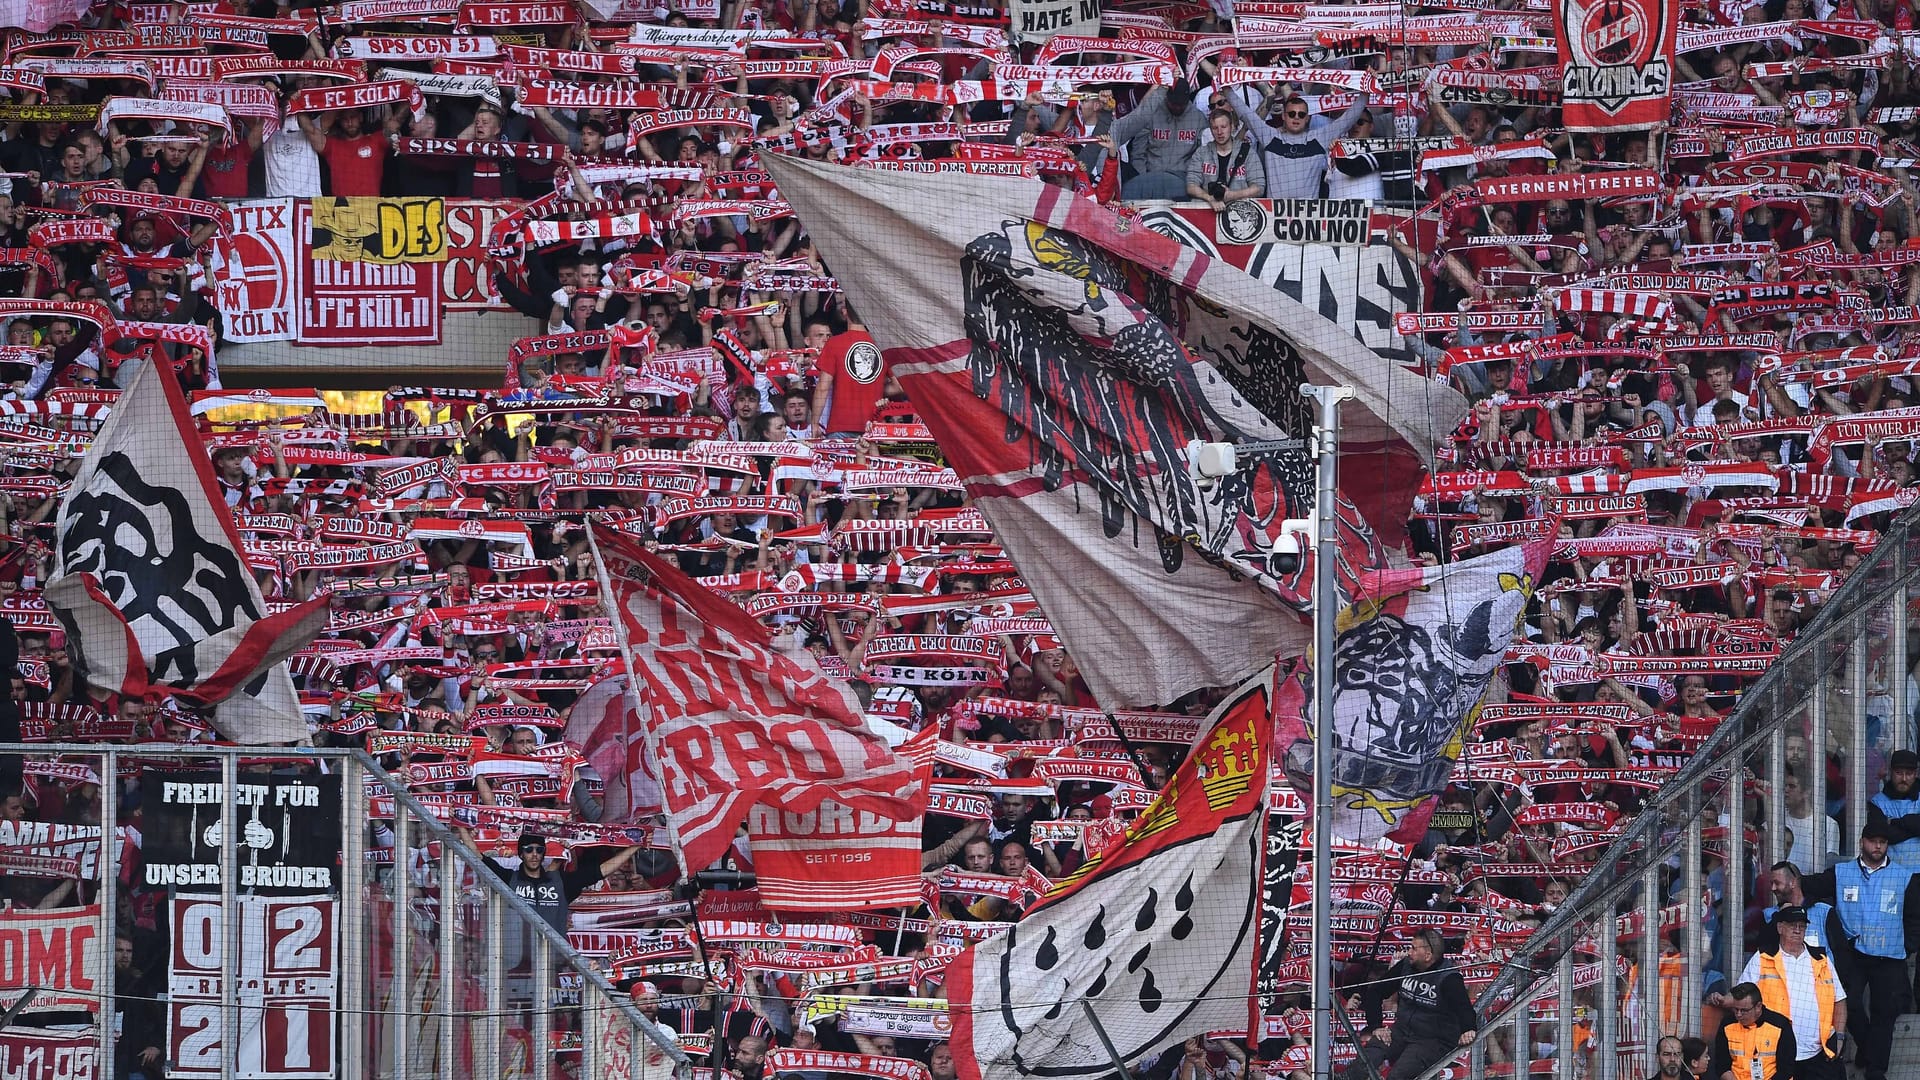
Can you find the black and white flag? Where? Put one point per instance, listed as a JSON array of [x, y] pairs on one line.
[[149, 582]]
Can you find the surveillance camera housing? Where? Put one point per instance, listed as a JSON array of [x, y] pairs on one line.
[[1289, 548]]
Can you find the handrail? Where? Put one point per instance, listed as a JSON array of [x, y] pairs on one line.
[[1642, 846], [342, 758], [515, 903]]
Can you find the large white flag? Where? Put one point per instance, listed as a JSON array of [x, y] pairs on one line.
[[150, 584], [1063, 358], [1157, 935]]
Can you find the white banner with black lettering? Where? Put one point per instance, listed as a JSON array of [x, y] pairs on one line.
[[286, 831], [1038, 20], [1333, 222]]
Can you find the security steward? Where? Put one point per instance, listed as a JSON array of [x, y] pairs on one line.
[[1758, 1045], [1799, 982], [1874, 926]]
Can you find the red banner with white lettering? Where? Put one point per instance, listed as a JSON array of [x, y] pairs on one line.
[[56, 951], [1618, 57], [361, 303], [733, 722]]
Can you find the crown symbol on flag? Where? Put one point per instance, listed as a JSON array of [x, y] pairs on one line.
[[1227, 764]]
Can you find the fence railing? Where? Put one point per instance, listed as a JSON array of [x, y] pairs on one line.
[[1661, 916], [408, 958]]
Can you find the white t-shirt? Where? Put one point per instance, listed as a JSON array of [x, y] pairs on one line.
[[1703, 416], [1802, 1001], [293, 168]]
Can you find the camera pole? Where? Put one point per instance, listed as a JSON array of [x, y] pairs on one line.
[[1326, 599]]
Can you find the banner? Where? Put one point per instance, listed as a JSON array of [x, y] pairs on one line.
[[150, 585], [1067, 425], [731, 721], [57, 951], [1038, 20], [363, 303], [1155, 934], [1412, 672], [287, 831], [466, 281], [1618, 60], [34, 1054], [1335, 222], [288, 987], [376, 230], [254, 272]]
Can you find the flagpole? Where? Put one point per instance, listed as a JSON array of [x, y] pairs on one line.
[[1326, 447]]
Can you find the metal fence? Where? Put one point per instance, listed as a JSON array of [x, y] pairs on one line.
[[1629, 957], [419, 961]]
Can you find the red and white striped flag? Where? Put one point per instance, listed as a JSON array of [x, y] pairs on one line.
[[1594, 483], [1630, 302], [732, 723], [1710, 475]]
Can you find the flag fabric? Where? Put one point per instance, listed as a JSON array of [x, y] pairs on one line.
[[1618, 58], [149, 583], [606, 725], [1412, 670], [1157, 933], [837, 858], [41, 16], [1063, 358], [732, 723]]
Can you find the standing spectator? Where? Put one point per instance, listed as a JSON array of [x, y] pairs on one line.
[[293, 159], [1876, 921], [1672, 1059], [1800, 984], [1434, 1017], [1897, 806], [1296, 159], [1160, 134], [549, 891], [356, 158], [1228, 168]]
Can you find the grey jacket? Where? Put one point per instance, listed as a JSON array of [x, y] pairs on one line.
[[1296, 163], [1156, 139]]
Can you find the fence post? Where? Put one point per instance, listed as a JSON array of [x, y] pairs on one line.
[[354, 980], [108, 897], [230, 929]]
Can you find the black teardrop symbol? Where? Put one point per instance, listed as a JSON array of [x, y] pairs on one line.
[[1100, 984], [1054, 1013], [1182, 928], [1146, 916], [1184, 898], [1149, 995], [1139, 958], [1097, 931], [1048, 954]]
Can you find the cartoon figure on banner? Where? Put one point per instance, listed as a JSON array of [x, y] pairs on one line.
[[1404, 672]]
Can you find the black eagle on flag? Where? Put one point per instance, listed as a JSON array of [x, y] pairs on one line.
[[149, 581]]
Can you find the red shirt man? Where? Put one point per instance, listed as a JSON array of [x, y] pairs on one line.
[[355, 159]]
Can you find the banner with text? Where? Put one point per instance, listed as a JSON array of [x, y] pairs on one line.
[[286, 831]]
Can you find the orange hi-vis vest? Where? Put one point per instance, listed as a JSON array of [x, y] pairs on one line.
[[1773, 990], [1761, 1040]]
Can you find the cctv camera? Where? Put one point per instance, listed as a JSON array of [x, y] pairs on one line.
[[1290, 546]]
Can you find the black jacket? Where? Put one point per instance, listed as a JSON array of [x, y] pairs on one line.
[[1434, 1004]]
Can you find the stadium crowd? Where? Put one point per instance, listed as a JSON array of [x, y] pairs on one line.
[[1702, 388]]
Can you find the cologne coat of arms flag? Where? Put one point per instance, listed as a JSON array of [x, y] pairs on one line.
[[149, 582], [1157, 935], [1064, 357]]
